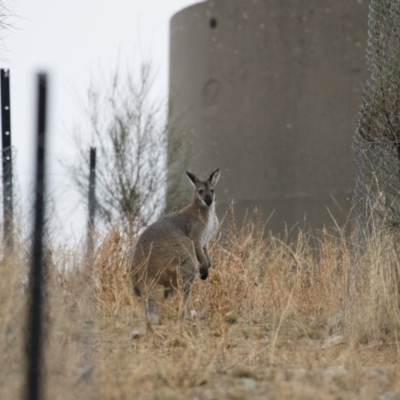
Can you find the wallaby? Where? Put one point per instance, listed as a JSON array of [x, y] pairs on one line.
[[175, 247]]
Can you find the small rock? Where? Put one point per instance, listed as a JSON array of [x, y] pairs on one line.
[[333, 341], [336, 371], [84, 372], [389, 396], [244, 373], [301, 372], [248, 383], [135, 335], [335, 320], [375, 373]]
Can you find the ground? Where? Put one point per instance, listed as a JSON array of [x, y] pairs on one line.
[[272, 321]]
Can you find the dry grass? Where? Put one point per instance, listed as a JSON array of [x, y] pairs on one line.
[[268, 324]]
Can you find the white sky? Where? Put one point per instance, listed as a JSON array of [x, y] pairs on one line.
[[70, 39]]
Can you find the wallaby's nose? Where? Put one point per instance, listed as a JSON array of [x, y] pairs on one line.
[[208, 200]]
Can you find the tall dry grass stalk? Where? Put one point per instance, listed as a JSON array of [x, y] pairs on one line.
[[373, 302], [268, 323]]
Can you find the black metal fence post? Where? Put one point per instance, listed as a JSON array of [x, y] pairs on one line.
[[7, 157], [36, 281], [92, 188], [92, 201]]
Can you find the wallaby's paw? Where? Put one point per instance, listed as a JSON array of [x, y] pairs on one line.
[[203, 273]]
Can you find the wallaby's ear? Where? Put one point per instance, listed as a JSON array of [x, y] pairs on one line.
[[193, 179], [213, 179]]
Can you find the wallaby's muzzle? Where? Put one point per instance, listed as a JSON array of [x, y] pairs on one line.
[[208, 200]]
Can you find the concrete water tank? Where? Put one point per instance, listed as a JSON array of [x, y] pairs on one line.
[[269, 91]]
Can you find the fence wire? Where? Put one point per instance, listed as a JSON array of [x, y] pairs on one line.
[[377, 139]]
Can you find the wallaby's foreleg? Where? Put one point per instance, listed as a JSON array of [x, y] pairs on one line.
[[200, 255], [205, 249], [203, 259], [195, 236]]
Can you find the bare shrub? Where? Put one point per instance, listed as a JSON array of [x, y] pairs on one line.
[[6, 25], [128, 130]]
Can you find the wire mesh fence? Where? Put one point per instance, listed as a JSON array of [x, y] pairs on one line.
[[377, 139], [375, 269]]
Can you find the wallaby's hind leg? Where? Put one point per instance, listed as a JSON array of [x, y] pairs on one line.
[[149, 302], [151, 310], [188, 272], [185, 300]]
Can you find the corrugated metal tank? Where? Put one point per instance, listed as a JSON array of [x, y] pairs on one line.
[[269, 91]]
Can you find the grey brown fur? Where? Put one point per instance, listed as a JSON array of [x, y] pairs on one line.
[[176, 246]]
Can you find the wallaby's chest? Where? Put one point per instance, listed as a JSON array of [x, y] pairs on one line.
[[210, 228]]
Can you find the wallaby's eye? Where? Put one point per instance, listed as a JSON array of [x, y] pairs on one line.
[[201, 191], [212, 191]]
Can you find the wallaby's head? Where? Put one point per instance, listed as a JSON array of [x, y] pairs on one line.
[[204, 190]]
